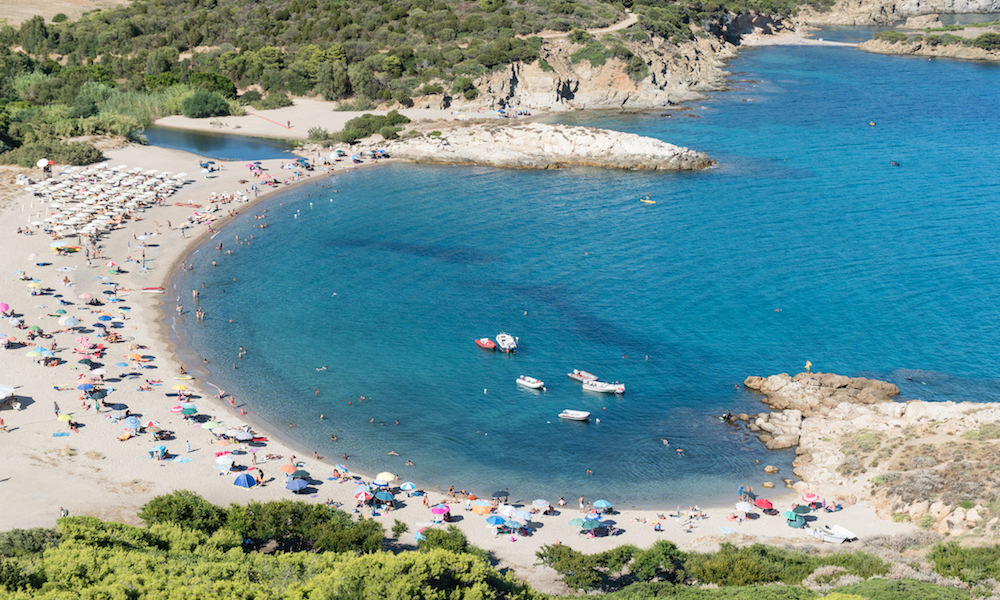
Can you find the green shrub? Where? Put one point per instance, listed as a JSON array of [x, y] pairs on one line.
[[988, 41], [12, 575], [388, 132], [901, 517], [429, 88], [250, 97], [926, 521], [203, 103], [296, 526], [24, 542], [966, 504], [970, 564], [213, 82], [890, 36], [435, 133], [452, 540], [184, 508], [399, 528], [274, 100], [545, 66], [986, 431], [594, 52], [890, 589], [60, 18], [318, 135], [66, 153]]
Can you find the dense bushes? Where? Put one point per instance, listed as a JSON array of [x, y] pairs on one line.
[[203, 103], [184, 508], [970, 564], [66, 153]]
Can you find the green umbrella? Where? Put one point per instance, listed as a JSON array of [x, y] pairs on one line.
[[189, 411], [300, 474], [35, 328], [789, 515], [60, 312], [576, 522], [801, 509], [588, 525]]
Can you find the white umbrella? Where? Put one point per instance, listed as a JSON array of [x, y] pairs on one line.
[[6, 390], [744, 507]]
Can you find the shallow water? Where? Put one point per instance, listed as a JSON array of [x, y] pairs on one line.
[[804, 243], [216, 145]]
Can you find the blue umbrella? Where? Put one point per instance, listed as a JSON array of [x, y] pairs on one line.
[[522, 515], [602, 504], [362, 488], [85, 387], [121, 364], [513, 524], [495, 520], [244, 480], [592, 517], [296, 485], [341, 468], [409, 485], [384, 496], [104, 318], [132, 423]]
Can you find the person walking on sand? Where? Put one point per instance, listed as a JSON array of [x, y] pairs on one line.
[[55, 408], [583, 505]]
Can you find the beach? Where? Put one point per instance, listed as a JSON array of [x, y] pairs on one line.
[[91, 472]]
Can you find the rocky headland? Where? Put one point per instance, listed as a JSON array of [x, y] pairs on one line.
[[889, 12], [928, 46], [540, 146], [932, 463]]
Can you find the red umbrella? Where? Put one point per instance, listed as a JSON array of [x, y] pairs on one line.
[[763, 503], [363, 495]]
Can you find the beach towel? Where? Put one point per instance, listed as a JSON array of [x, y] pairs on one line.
[[727, 530], [61, 434]]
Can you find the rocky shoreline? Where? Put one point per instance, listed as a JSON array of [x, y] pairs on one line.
[[922, 48], [541, 146], [931, 463]]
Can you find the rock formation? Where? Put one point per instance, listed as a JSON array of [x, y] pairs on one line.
[[921, 48], [928, 462], [539, 146], [886, 12]]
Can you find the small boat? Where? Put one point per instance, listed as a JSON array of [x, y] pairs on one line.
[[835, 534], [574, 415], [506, 342], [486, 344], [603, 387], [530, 382], [581, 376], [645, 201]]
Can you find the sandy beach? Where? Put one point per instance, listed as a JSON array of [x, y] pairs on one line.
[[91, 472]]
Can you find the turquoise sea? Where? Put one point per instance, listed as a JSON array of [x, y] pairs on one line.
[[803, 243]]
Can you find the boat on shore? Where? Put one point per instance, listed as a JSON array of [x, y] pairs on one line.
[[506, 342], [530, 382], [486, 344], [603, 387], [581, 376], [574, 415], [835, 534]]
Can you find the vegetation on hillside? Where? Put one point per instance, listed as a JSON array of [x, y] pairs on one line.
[[192, 549], [989, 41]]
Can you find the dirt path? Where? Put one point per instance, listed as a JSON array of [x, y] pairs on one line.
[[17, 12], [629, 20]]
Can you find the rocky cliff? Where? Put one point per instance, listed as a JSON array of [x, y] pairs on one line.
[[886, 12], [539, 146], [929, 462]]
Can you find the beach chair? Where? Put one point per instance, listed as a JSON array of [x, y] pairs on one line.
[[124, 437]]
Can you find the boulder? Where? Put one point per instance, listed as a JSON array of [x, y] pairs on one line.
[[818, 393], [768, 484], [770, 469], [917, 510], [972, 515]]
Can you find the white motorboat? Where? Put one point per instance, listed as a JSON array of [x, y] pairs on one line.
[[506, 342], [603, 387], [574, 415], [530, 382], [581, 376], [835, 534]]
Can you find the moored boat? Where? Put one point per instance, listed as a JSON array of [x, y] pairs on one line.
[[486, 344], [506, 342], [604, 387], [574, 415], [530, 382], [581, 376]]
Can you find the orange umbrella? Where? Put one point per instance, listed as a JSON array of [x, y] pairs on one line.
[[134, 356], [289, 468]]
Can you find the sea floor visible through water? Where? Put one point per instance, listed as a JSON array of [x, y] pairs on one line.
[[804, 243]]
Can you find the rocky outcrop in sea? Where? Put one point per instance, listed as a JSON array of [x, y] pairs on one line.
[[540, 146], [887, 12], [932, 463]]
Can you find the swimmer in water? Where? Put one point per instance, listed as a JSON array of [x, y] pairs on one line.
[[392, 453], [323, 368]]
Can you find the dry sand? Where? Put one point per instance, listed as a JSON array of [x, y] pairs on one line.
[[303, 115], [92, 473], [788, 38], [16, 13]]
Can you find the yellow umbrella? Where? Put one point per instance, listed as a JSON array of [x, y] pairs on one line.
[[34, 284], [64, 417], [385, 476], [179, 387]]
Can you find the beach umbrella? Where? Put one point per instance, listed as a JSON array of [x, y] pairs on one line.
[[98, 372], [176, 409], [300, 474], [85, 387], [288, 468], [406, 487], [540, 503], [121, 364], [796, 523], [225, 459], [383, 496], [179, 387], [186, 404], [244, 480], [209, 424], [592, 516], [33, 354], [296, 485], [69, 321], [801, 509], [60, 312], [47, 353], [763, 503], [481, 503], [35, 328], [513, 524], [64, 417], [591, 525], [604, 504], [104, 318], [189, 411], [362, 495], [151, 423], [34, 285], [362, 487], [6, 390], [744, 507], [440, 509], [790, 515], [243, 436], [385, 476], [132, 423], [153, 429], [522, 515], [4, 307], [380, 483], [809, 498], [577, 522], [495, 520], [342, 468]]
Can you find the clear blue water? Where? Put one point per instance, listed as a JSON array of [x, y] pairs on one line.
[[216, 145], [804, 243]]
